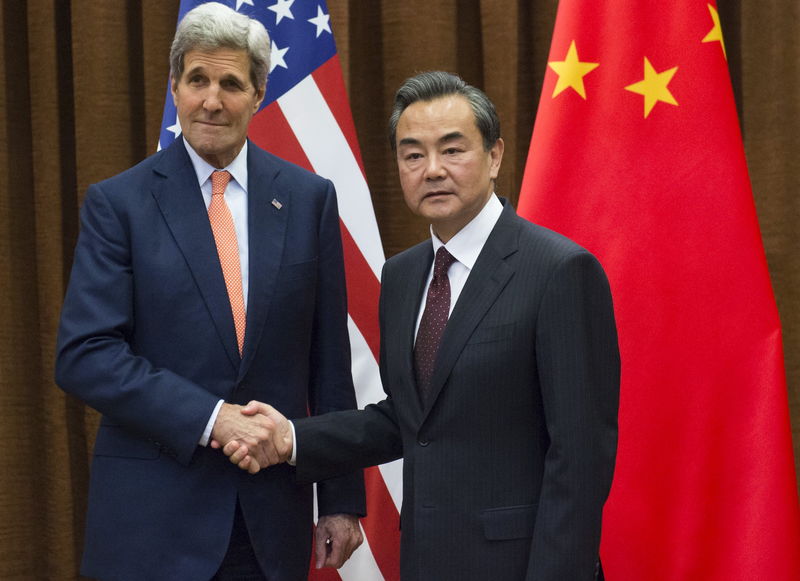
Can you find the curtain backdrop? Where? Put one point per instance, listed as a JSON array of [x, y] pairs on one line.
[[83, 85]]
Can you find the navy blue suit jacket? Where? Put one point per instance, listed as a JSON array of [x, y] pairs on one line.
[[508, 464], [147, 338]]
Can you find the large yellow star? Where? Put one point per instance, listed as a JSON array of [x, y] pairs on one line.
[[571, 71], [715, 34], [654, 87]]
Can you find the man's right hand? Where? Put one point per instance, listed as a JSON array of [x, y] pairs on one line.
[[254, 454], [254, 434]]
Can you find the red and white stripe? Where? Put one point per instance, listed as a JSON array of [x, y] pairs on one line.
[[312, 126]]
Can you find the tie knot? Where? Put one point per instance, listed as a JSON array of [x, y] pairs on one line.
[[442, 262], [219, 181]]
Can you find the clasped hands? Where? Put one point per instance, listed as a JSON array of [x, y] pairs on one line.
[[254, 436], [257, 436]]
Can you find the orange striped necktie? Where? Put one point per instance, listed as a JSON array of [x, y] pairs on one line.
[[228, 250]]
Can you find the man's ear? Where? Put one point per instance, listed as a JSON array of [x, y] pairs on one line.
[[496, 153], [173, 88], [260, 97]]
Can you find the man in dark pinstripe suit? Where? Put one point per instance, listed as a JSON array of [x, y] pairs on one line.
[[509, 438]]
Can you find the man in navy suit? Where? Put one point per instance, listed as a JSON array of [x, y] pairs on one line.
[[149, 338], [507, 422]]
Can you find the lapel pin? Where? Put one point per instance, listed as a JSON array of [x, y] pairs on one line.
[[277, 204]]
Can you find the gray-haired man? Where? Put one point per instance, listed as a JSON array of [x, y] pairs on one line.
[[499, 358], [192, 294]]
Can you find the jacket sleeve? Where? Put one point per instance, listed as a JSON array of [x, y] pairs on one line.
[[578, 361], [94, 360], [344, 441], [331, 382], [336, 443]]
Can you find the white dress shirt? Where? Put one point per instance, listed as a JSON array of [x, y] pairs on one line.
[[465, 247], [236, 199]]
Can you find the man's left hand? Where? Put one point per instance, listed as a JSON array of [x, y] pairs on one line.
[[337, 536]]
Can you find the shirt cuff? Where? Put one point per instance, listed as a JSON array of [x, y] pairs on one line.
[[210, 425], [293, 460]]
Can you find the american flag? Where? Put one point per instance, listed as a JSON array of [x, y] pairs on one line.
[[305, 118]]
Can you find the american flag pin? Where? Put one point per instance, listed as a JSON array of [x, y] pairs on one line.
[[276, 203]]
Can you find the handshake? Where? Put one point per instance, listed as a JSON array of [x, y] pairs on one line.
[[254, 436], [257, 436]]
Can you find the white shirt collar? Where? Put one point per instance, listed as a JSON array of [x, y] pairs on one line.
[[203, 169], [468, 242]]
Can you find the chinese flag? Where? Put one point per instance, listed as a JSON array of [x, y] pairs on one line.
[[637, 155]]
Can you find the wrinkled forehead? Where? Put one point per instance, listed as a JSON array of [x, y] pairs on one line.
[[442, 119], [218, 61]]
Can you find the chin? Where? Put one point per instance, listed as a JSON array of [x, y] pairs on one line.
[[438, 217], [433, 208], [208, 148]]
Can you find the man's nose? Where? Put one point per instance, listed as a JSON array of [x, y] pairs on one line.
[[434, 169], [213, 98]]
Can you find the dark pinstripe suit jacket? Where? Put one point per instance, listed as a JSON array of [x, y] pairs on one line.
[[507, 467]]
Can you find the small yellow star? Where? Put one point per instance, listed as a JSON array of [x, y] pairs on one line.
[[571, 71], [715, 34], [654, 87]]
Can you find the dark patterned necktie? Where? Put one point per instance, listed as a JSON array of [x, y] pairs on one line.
[[433, 322]]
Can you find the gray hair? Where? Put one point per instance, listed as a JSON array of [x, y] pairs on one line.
[[432, 85], [212, 26]]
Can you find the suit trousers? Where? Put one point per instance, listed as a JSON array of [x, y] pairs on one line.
[[240, 563]]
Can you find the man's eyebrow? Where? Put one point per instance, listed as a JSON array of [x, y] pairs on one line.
[[201, 70], [452, 136], [195, 70], [234, 77], [408, 141]]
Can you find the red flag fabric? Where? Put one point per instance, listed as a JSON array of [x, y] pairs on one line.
[[637, 155]]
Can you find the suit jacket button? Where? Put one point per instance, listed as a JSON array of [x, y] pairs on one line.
[[423, 443]]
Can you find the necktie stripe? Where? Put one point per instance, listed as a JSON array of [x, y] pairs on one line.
[[219, 215]]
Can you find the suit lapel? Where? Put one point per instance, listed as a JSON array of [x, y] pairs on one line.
[[267, 223], [489, 276], [180, 200], [404, 317]]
